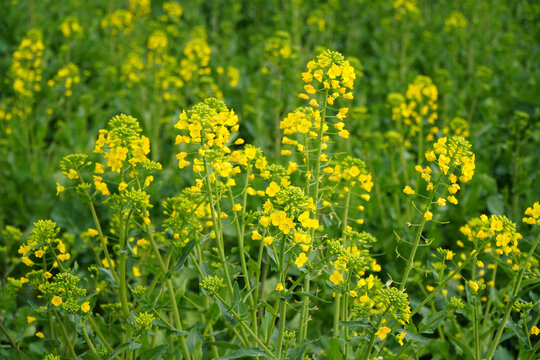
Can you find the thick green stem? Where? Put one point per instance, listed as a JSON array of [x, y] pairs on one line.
[[476, 334], [337, 303]]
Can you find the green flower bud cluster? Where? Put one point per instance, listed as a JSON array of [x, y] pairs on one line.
[[144, 321], [212, 284]]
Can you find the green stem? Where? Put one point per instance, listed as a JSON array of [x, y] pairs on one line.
[[89, 341], [217, 228], [172, 295], [337, 302], [476, 334], [534, 350], [68, 341], [103, 242], [419, 234], [283, 303], [373, 337], [100, 335], [511, 301], [11, 340]]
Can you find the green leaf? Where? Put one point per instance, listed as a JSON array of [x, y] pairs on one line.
[[151, 354], [495, 204], [358, 323], [519, 332], [185, 253], [334, 352], [250, 352], [298, 352], [118, 349], [223, 344], [430, 322], [107, 275], [464, 347], [226, 312]]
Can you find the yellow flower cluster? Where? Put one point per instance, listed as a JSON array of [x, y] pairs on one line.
[[208, 124], [420, 107], [119, 21], [132, 70], [497, 228], [173, 9], [455, 20], [405, 7], [26, 66], [452, 156], [139, 7], [70, 27], [197, 57], [278, 47], [67, 76], [330, 73], [123, 142], [157, 41], [532, 214]]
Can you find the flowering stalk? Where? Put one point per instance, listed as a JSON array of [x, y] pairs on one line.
[[419, 234]]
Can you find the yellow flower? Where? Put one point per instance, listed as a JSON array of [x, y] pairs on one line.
[[268, 240], [56, 300], [122, 186], [148, 180], [382, 332], [452, 199], [474, 286], [280, 287], [237, 207], [336, 277], [92, 232], [256, 236], [40, 335], [428, 215], [72, 174], [272, 189], [441, 201], [400, 337], [301, 260], [535, 330], [85, 307], [30, 319], [27, 261], [353, 293], [265, 221], [307, 222], [59, 189], [408, 190]]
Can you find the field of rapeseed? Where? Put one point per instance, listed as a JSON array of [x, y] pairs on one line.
[[277, 179]]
